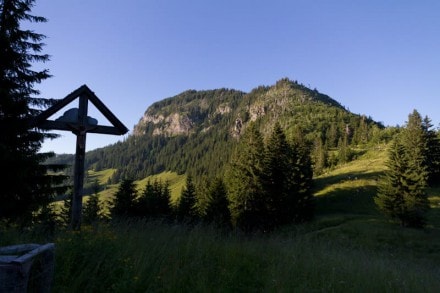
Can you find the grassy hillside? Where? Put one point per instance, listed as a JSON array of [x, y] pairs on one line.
[[348, 247], [350, 188], [175, 180], [106, 195]]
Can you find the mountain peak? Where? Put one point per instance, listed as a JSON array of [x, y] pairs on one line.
[[192, 110]]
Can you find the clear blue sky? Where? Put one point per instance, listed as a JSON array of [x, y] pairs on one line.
[[379, 58]]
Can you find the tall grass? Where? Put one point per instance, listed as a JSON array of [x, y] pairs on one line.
[[141, 256]]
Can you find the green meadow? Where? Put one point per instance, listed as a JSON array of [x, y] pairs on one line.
[[348, 247], [176, 183]]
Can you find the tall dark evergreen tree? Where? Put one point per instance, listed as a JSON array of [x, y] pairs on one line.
[[413, 138], [166, 202], [245, 182], [300, 186], [66, 210], [401, 194], [432, 157], [390, 198], [91, 208], [125, 197], [187, 209], [25, 184], [47, 219], [145, 203], [217, 209], [279, 160], [402, 191], [155, 200]]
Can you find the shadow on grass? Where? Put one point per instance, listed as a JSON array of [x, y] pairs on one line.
[[322, 182], [352, 193], [348, 200]]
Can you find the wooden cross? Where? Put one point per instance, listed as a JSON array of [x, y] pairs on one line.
[[80, 124]]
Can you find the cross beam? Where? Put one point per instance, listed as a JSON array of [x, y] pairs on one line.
[[80, 127]]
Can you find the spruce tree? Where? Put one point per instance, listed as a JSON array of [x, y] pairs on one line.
[[300, 186], [432, 157], [47, 219], [245, 182], [124, 201], [91, 208], [279, 162], [187, 210], [401, 194], [402, 190], [155, 200], [163, 198], [413, 138], [66, 210], [25, 184], [165, 202], [144, 205], [217, 210]]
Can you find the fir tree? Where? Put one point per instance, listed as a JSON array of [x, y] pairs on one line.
[[66, 210], [124, 202], [390, 198], [155, 200], [432, 157], [187, 209], [401, 194], [245, 182], [217, 210], [279, 162], [163, 197], [402, 191], [26, 185], [300, 186], [165, 203], [91, 208], [144, 205], [413, 138], [47, 219]]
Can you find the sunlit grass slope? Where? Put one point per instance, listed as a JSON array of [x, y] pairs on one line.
[[346, 212], [350, 188], [348, 191], [176, 183]]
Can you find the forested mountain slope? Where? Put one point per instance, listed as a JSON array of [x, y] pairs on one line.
[[196, 131]]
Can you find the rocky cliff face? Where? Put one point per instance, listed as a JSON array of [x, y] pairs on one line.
[[170, 125], [187, 113]]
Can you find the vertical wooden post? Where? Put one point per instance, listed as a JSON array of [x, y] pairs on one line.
[[79, 164], [80, 129]]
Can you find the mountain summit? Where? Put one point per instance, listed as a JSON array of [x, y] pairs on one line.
[[195, 131]]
